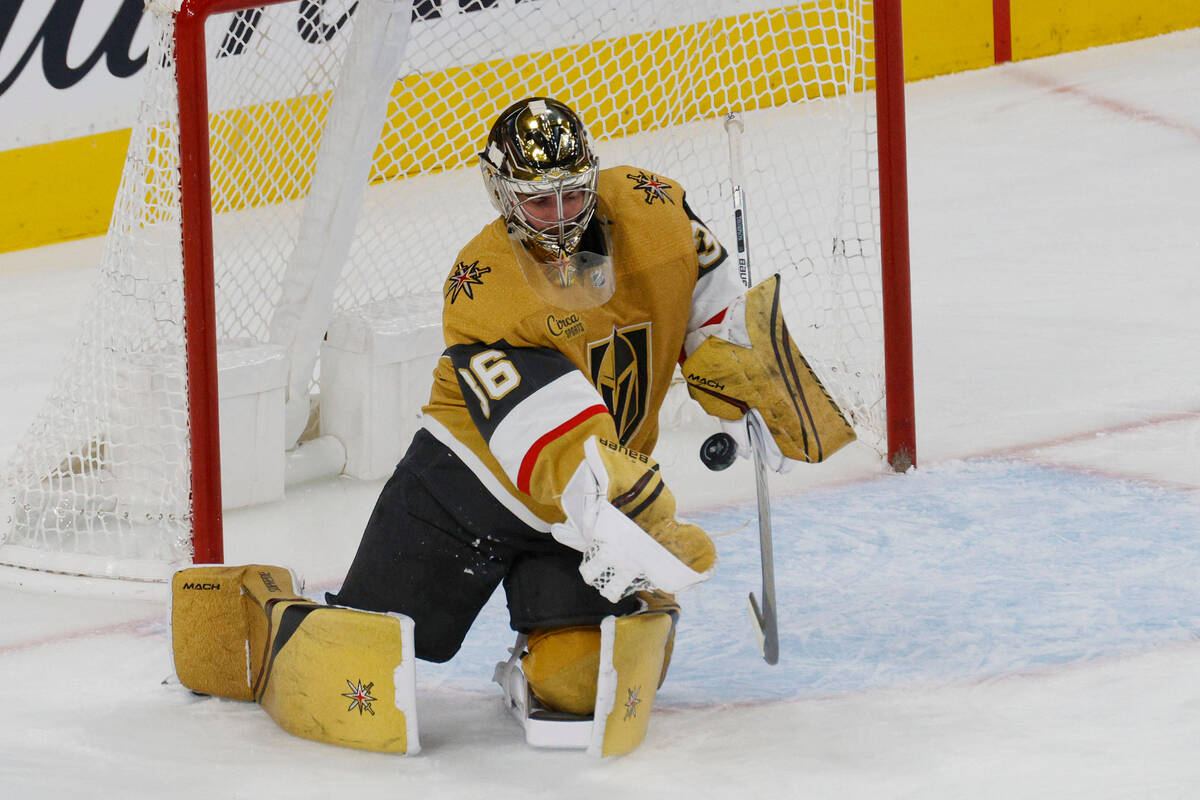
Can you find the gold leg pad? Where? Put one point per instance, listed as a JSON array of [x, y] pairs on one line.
[[342, 676], [561, 667], [629, 676], [211, 633]]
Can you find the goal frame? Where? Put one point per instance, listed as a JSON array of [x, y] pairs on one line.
[[198, 266], [894, 244]]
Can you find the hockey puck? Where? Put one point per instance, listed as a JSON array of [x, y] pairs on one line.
[[718, 451]]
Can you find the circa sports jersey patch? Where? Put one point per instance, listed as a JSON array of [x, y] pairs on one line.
[[654, 187], [463, 278], [619, 367], [568, 326]]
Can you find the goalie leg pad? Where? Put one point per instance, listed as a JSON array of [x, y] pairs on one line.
[[330, 674], [561, 668], [615, 667], [633, 654], [342, 676], [562, 664], [728, 378], [656, 602], [216, 641]]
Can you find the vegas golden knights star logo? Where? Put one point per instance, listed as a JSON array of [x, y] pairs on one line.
[[465, 276], [619, 367], [654, 187], [631, 702], [360, 696]]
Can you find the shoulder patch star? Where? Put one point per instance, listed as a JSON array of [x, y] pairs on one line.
[[654, 187], [463, 278]]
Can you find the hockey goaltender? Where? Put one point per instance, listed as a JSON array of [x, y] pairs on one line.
[[563, 321]]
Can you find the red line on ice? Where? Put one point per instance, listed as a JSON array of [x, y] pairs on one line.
[[1118, 107], [131, 626]]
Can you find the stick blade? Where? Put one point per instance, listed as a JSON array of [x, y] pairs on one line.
[[765, 630]]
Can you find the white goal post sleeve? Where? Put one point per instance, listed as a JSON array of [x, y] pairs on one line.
[[360, 105]]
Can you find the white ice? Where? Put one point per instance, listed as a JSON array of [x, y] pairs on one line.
[[1017, 618]]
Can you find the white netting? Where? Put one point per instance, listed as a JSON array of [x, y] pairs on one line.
[[102, 477]]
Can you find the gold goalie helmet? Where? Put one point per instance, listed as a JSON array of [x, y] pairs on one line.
[[541, 173]]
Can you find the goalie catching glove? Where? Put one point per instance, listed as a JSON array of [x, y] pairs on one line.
[[748, 364], [621, 516]]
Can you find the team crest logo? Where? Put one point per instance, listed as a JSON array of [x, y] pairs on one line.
[[654, 187], [360, 697], [631, 702], [464, 277], [619, 367]]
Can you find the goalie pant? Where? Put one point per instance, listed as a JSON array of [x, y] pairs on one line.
[[439, 542], [437, 546]]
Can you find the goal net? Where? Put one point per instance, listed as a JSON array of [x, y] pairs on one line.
[[340, 173]]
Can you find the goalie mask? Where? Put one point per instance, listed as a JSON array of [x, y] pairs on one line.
[[541, 175]]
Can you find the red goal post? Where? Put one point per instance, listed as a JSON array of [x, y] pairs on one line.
[[826, 179], [893, 220]]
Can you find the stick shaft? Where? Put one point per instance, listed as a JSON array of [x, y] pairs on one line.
[[734, 130], [764, 614]]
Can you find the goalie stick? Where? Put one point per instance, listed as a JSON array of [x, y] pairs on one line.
[[762, 615]]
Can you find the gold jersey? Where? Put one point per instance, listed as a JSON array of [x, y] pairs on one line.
[[522, 383]]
